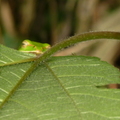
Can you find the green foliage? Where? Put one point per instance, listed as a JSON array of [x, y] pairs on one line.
[[64, 88]]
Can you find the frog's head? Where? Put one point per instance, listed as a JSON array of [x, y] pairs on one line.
[[34, 47]]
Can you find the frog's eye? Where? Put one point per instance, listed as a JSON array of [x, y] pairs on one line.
[[26, 43]]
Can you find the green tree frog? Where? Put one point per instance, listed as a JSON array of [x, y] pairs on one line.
[[34, 47]]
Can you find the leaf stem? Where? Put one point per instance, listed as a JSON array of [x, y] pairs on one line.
[[79, 38]]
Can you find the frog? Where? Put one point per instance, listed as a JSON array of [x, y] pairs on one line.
[[37, 48]]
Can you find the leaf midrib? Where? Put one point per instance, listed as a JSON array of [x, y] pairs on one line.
[[65, 90]]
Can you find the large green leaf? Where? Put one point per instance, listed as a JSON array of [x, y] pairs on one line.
[[62, 88]]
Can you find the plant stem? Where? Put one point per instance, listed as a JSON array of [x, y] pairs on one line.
[[79, 38]]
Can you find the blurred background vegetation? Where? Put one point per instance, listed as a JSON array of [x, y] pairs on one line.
[[51, 21]]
